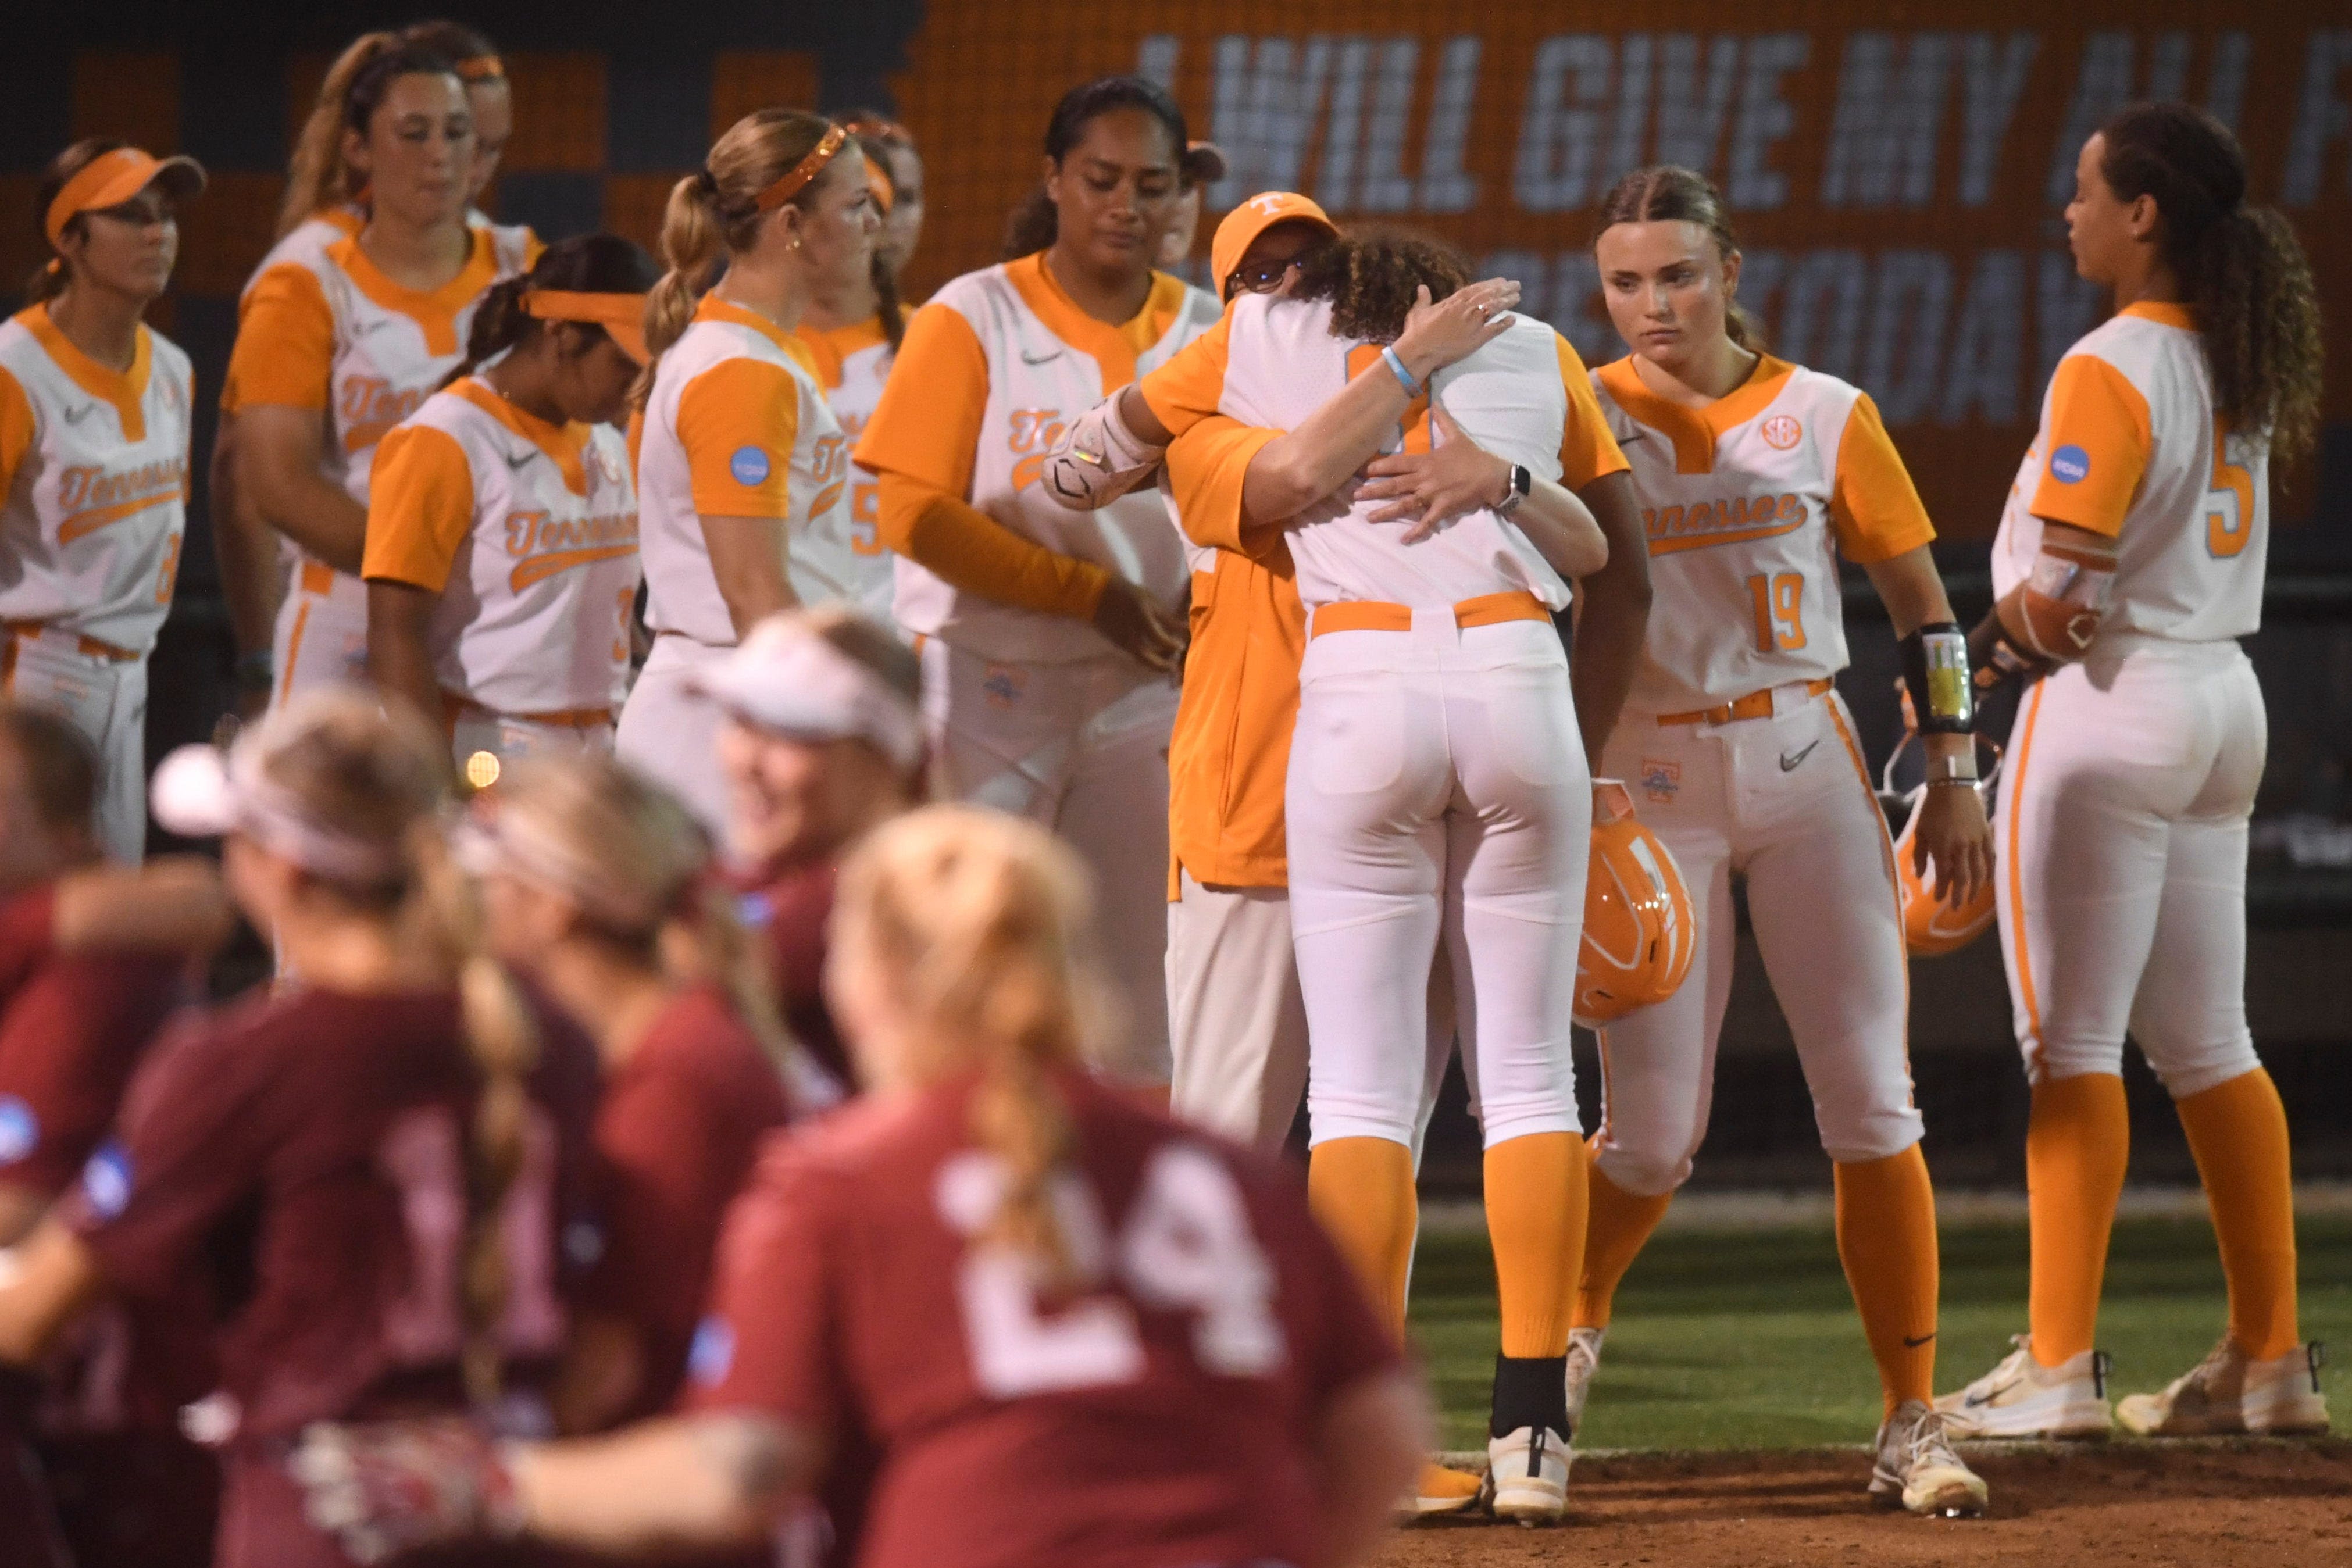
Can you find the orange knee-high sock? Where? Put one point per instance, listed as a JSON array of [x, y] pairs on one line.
[[1619, 1225], [1361, 1190], [1886, 1240], [1535, 1219], [2237, 1130], [2077, 1142]]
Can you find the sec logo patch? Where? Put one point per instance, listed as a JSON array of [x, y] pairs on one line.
[[1002, 684], [2069, 465], [1782, 432], [1661, 781], [748, 464]]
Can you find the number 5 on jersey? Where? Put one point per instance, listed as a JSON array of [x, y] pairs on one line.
[[1185, 1245], [2229, 504], [1779, 604]]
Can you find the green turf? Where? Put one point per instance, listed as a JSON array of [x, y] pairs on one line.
[[1749, 1339]]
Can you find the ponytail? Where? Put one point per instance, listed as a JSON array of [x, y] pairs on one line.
[[317, 178], [1031, 226], [2248, 283], [716, 209], [887, 303], [499, 323]]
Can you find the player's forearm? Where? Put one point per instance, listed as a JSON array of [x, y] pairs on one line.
[[1613, 620], [45, 1283], [308, 510], [1911, 588], [1292, 472], [689, 1484], [173, 904], [1563, 530], [747, 557], [400, 658], [970, 550], [245, 550]]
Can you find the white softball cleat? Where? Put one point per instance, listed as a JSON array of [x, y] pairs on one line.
[[1583, 1361], [1527, 1470], [2228, 1392], [1917, 1468], [2023, 1398]]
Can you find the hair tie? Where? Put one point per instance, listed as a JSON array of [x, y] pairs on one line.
[[802, 173]]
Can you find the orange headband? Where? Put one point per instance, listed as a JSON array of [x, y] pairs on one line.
[[802, 173], [621, 315], [481, 67], [879, 180]]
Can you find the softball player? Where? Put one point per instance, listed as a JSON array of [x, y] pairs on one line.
[[501, 558], [1049, 637], [326, 203], [1754, 476], [742, 472], [852, 333], [337, 346], [2128, 564], [94, 430]]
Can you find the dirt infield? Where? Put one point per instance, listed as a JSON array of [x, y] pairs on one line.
[[2247, 1504]]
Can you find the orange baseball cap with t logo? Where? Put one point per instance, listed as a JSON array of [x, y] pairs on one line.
[[1253, 218], [112, 178]]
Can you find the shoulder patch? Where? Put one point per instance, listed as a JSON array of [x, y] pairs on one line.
[[748, 464], [2069, 465]]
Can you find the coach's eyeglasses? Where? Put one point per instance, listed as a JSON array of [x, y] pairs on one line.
[[1259, 278]]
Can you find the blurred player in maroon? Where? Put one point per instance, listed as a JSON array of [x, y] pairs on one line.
[[1082, 1333], [584, 867], [382, 1170], [92, 958], [824, 742]]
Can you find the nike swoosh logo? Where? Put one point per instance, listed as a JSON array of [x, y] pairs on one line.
[[1910, 1343], [1790, 762], [1029, 359], [76, 415], [521, 461], [1976, 1401]]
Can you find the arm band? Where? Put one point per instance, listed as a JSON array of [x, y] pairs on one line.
[[1098, 459], [1935, 671], [1404, 376]]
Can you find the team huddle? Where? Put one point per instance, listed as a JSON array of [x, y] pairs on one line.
[[814, 850]]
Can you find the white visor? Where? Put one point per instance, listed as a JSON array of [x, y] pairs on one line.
[[789, 679], [198, 793]]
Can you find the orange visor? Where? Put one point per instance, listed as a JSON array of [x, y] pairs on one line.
[[621, 315], [802, 173], [878, 180], [112, 178]]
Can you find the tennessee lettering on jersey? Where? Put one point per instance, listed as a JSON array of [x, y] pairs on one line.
[[93, 482], [528, 532], [1747, 503], [992, 368], [2130, 447], [737, 427]]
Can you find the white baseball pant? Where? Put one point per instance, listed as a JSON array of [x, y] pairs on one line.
[[1237, 1023], [320, 635], [670, 733], [1437, 791], [105, 698], [1783, 801], [1081, 748], [2122, 884]]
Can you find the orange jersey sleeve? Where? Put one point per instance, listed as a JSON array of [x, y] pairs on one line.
[[16, 430], [1587, 450], [968, 549], [1187, 389], [737, 421], [284, 353], [420, 507], [927, 426], [2095, 445], [1873, 507], [1206, 468]]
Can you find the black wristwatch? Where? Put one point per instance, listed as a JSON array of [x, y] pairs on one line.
[[1522, 482]]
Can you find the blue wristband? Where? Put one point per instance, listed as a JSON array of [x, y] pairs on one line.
[[1404, 376]]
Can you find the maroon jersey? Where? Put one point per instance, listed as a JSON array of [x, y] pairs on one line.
[[28, 933], [678, 1130], [787, 912], [71, 1034], [1171, 1408], [309, 1149]]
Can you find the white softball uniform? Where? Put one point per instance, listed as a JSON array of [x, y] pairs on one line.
[[528, 532], [736, 426], [2123, 816], [852, 363], [93, 507], [321, 328], [1437, 791], [1033, 711], [1745, 759]]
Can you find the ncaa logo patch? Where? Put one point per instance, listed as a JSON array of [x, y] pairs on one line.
[[1661, 781], [20, 1130], [1001, 684], [748, 464], [713, 1354], [1782, 432], [2069, 465], [106, 1180]]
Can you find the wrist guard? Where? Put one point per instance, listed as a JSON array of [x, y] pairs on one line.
[[1098, 459], [1935, 674]]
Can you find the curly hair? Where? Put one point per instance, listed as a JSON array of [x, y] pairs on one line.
[[1371, 280], [2244, 272]]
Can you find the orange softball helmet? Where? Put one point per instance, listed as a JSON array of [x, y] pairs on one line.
[[1639, 933], [1932, 927]]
